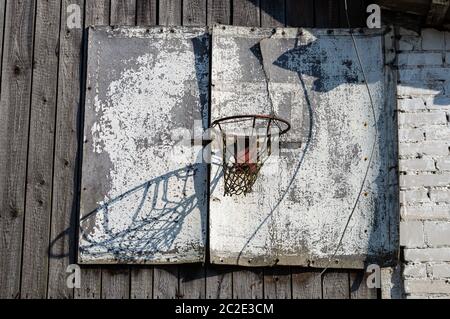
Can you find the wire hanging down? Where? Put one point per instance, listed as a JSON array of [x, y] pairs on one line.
[[374, 141]]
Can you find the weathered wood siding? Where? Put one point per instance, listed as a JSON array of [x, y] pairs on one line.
[[39, 174]]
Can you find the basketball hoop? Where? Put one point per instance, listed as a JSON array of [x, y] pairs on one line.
[[246, 142]]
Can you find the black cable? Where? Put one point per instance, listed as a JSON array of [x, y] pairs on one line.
[[373, 146]]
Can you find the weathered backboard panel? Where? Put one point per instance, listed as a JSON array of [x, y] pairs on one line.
[[142, 201], [303, 197]]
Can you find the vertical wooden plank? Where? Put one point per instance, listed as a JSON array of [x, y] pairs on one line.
[[165, 278], [219, 11], [64, 199], [170, 12], [356, 13], [141, 283], [90, 283], [14, 121], [97, 12], [142, 278], [358, 286], [40, 151], [192, 277], [327, 13], [2, 34], [194, 12], [246, 13], [219, 282], [165, 282], [116, 282], [273, 13], [335, 285], [299, 13], [277, 283], [146, 12], [306, 284], [123, 12], [192, 282], [248, 284]]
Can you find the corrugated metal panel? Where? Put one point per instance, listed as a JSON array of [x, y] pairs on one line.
[[140, 201], [303, 197]]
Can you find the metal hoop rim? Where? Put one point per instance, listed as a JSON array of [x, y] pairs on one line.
[[255, 116]]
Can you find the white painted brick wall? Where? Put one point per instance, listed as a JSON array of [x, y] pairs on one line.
[[436, 233], [439, 271], [417, 164], [415, 270], [443, 164], [424, 150], [427, 286], [411, 234], [440, 195], [421, 58], [414, 196], [427, 254], [422, 119], [425, 212]]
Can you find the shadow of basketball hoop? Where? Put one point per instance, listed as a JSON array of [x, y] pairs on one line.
[[154, 224]]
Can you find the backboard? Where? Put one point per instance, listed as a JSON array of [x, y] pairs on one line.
[[303, 196], [142, 200]]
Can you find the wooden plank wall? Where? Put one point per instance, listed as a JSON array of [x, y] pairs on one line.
[[41, 110]]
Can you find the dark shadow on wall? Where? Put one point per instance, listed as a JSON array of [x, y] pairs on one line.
[[308, 13]]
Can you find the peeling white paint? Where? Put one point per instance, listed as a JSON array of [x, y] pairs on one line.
[[150, 207], [301, 223]]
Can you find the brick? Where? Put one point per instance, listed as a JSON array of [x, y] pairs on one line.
[[446, 86], [414, 196], [440, 195], [420, 89], [443, 164], [427, 286], [437, 233], [421, 119], [426, 254], [417, 164], [438, 180], [419, 58], [414, 297], [415, 270], [447, 40], [409, 43], [437, 132], [441, 270], [411, 135], [411, 104], [430, 102], [425, 74], [404, 31], [411, 234], [425, 212], [437, 102], [433, 39], [432, 148]]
